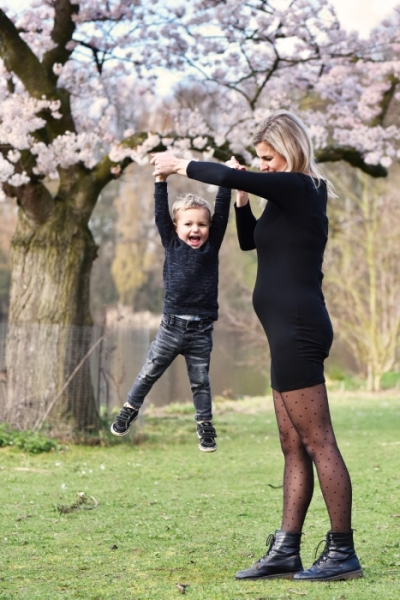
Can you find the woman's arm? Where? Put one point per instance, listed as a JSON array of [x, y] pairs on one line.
[[280, 188], [245, 226]]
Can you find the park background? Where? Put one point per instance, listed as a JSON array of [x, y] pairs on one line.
[[362, 283], [133, 519]]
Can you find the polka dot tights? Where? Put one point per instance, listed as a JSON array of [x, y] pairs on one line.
[[307, 438]]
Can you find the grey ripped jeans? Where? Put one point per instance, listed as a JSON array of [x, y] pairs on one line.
[[192, 339]]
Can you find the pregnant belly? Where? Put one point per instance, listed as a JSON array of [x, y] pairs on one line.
[[279, 309]]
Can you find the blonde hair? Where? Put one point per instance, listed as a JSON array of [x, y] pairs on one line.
[[288, 136], [189, 201]]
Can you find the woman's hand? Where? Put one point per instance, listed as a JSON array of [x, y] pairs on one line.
[[166, 163], [242, 198]]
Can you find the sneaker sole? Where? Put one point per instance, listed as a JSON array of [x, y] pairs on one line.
[[208, 449], [116, 433], [125, 432]]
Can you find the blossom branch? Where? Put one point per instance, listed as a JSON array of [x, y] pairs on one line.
[[62, 32], [19, 58]]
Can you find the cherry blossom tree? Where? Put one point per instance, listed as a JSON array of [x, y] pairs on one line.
[[297, 57], [70, 73]]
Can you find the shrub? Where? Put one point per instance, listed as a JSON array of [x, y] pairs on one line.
[[28, 441]]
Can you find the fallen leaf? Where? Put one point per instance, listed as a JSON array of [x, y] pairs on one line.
[[84, 502]]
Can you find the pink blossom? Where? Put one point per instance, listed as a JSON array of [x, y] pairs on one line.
[[250, 57]]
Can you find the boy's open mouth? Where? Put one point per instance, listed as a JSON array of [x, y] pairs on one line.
[[194, 239]]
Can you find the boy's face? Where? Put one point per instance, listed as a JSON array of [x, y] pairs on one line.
[[193, 226]]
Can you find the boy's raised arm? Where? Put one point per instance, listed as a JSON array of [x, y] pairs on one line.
[[220, 216], [163, 219]]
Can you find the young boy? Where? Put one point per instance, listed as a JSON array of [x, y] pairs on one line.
[[192, 239]]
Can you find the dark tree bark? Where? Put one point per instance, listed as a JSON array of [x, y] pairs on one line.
[[49, 320]]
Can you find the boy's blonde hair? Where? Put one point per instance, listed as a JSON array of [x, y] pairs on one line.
[[288, 136], [189, 201]]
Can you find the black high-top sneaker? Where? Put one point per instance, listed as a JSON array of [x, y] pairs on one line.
[[127, 415], [206, 434]]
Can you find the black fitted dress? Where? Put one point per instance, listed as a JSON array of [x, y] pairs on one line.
[[290, 239]]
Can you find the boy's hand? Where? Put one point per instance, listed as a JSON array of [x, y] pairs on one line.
[[242, 198], [161, 178], [233, 163]]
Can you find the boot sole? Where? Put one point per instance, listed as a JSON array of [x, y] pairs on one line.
[[277, 576], [343, 577]]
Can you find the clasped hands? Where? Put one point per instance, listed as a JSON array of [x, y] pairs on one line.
[[242, 198]]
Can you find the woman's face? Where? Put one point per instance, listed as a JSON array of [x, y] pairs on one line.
[[270, 160]]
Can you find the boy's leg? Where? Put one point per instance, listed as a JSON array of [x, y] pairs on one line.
[[197, 350], [162, 352]]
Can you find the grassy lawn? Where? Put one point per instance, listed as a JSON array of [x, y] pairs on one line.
[[168, 514]]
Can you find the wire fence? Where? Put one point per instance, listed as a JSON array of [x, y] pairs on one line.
[[50, 375]]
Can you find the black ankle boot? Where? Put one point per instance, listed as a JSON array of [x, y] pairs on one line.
[[337, 562], [281, 561]]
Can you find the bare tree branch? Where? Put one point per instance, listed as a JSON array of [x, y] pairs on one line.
[[352, 156]]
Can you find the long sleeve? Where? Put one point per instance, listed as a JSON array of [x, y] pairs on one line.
[[220, 217], [163, 219], [280, 188], [245, 226]]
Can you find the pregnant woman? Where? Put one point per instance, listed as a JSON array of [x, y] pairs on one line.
[[290, 238]]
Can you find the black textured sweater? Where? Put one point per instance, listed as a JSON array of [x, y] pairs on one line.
[[191, 275]]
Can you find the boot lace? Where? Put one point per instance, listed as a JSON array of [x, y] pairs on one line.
[[270, 542], [324, 554]]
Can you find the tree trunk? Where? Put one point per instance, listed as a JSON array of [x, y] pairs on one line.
[[374, 378], [377, 382], [49, 324]]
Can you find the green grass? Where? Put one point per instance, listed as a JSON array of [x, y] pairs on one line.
[[390, 380], [169, 514]]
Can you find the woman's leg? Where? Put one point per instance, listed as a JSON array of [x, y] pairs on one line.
[[298, 478], [309, 414]]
